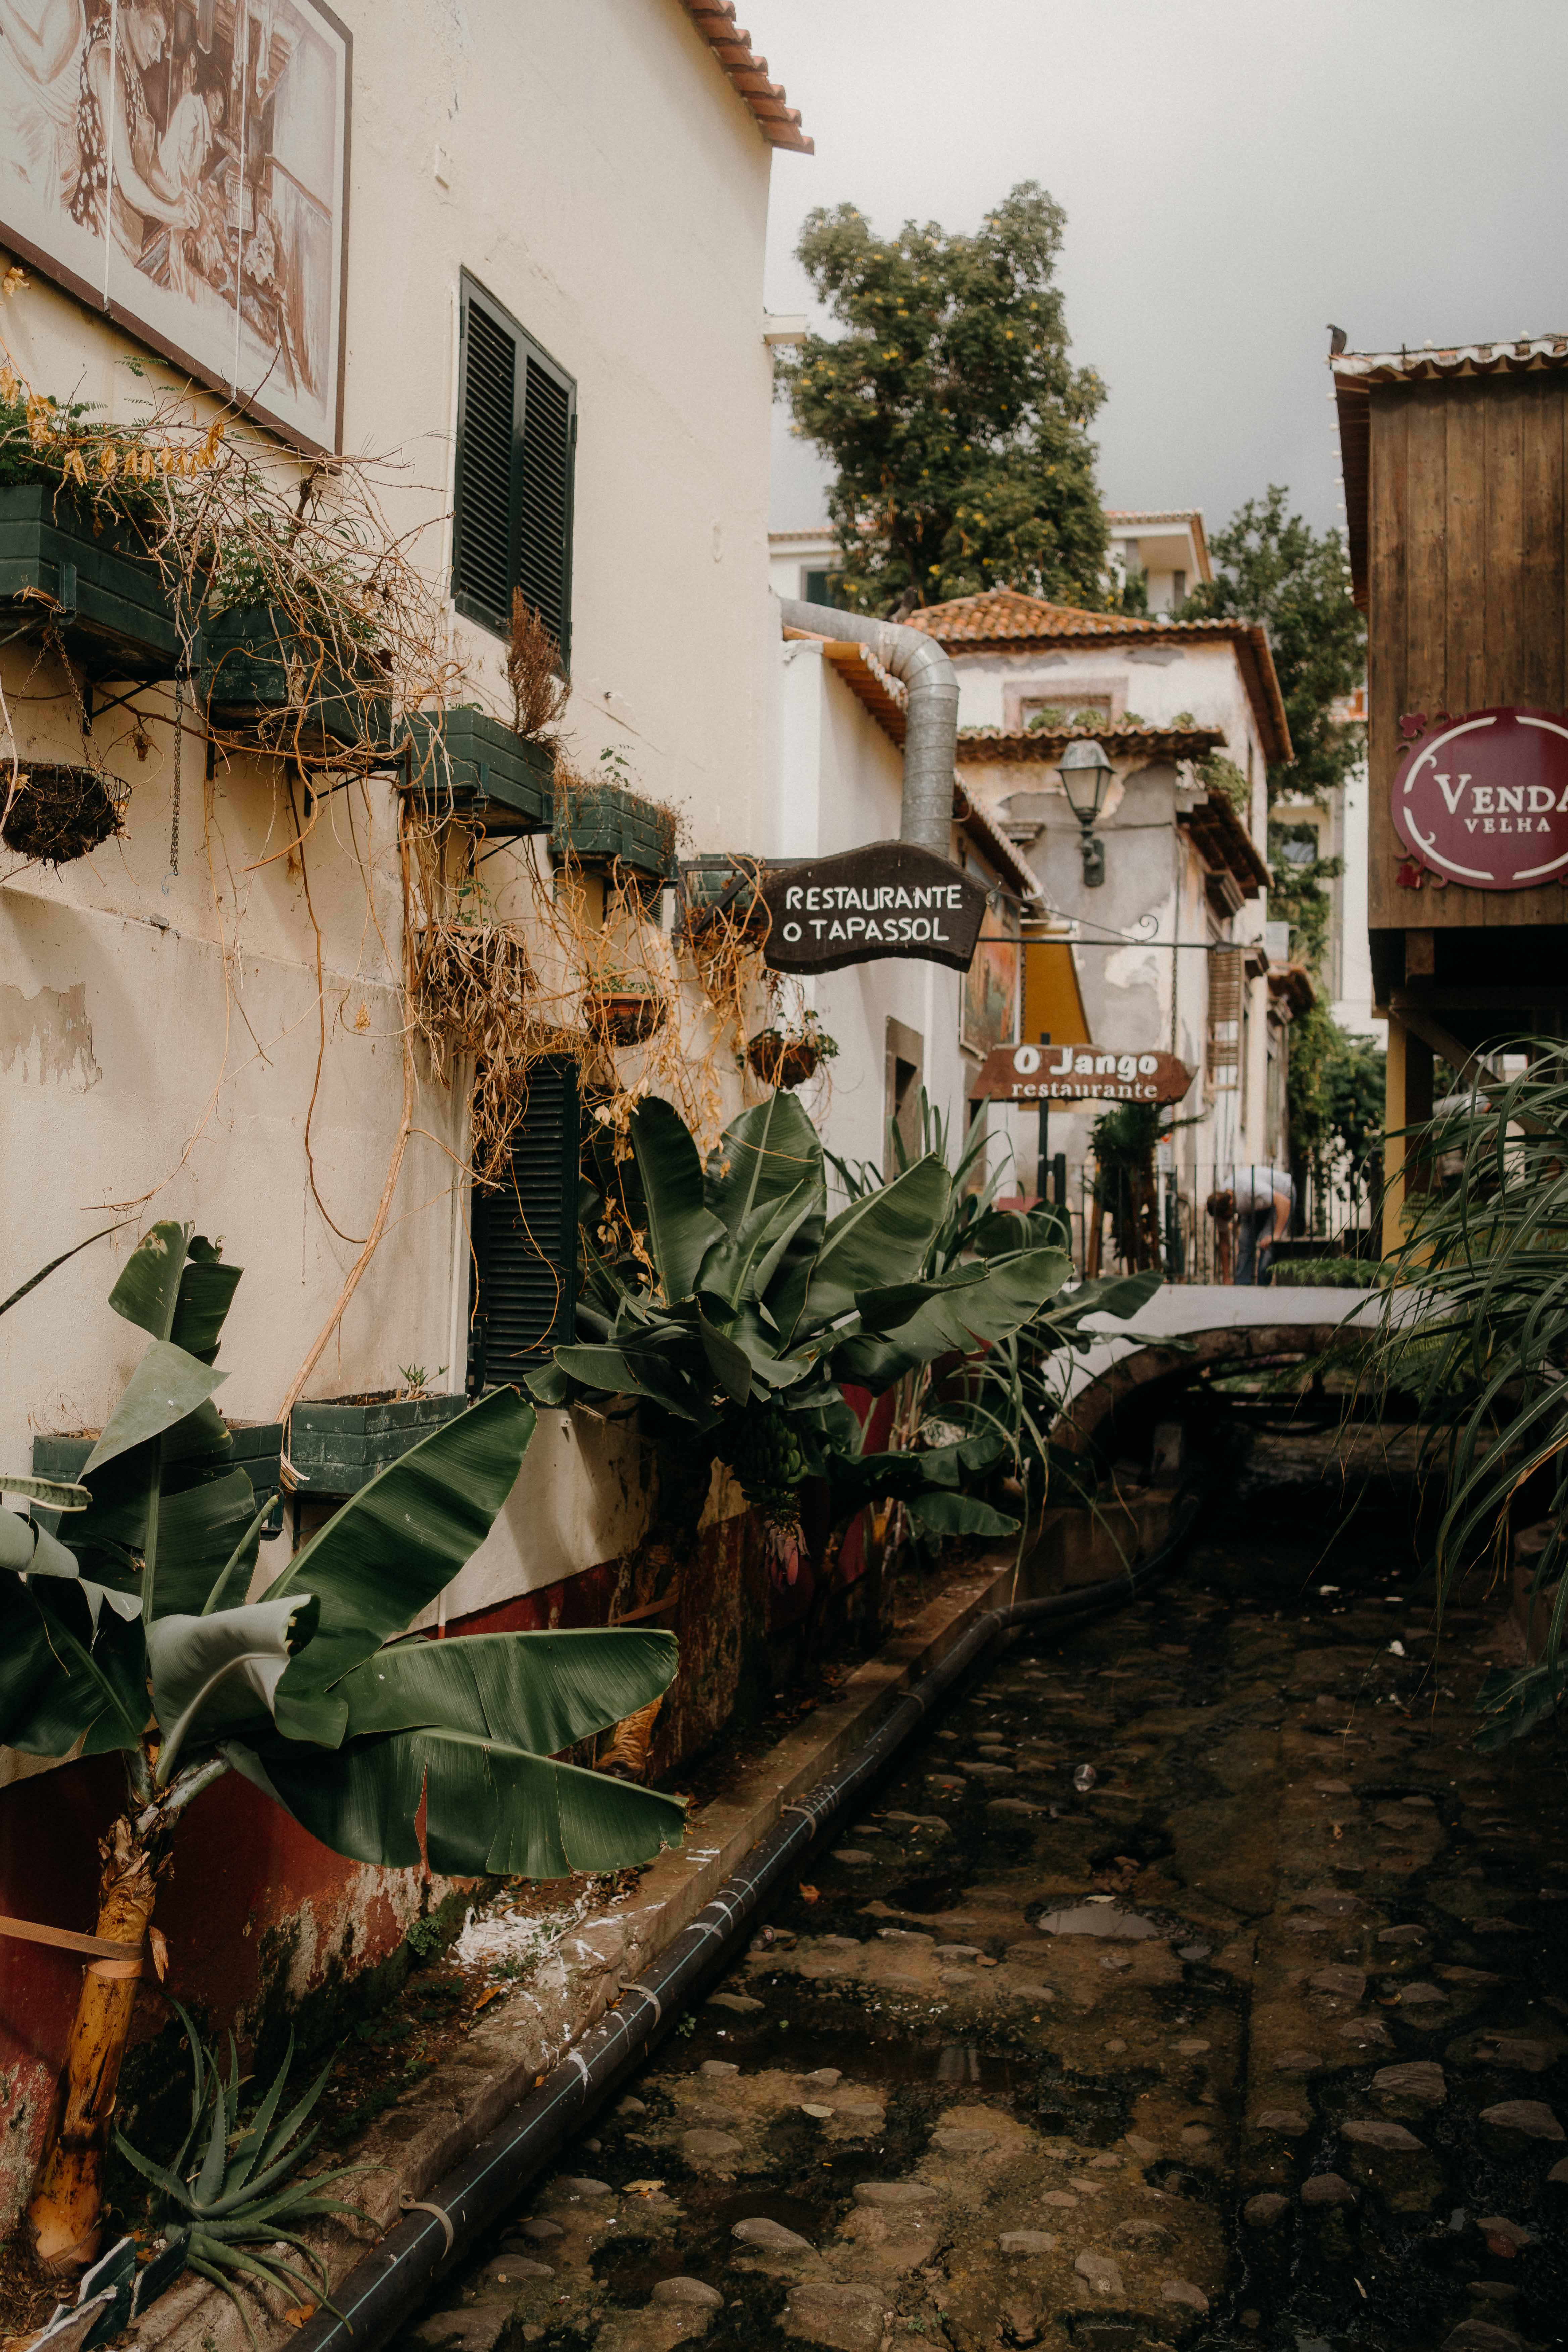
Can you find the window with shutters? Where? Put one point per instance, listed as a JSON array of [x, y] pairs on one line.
[[525, 1239], [1225, 1033], [517, 434]]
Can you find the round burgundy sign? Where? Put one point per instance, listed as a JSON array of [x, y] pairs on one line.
[[1484, 800]]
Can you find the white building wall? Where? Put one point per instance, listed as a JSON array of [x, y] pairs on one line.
[[606, 185], [841, 785]]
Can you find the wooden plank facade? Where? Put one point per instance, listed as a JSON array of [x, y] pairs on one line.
[[1467, 578], [1456, 468]]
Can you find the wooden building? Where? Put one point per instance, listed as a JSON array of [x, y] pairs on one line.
[[1455, 466]]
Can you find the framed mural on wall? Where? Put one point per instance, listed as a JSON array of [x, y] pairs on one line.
[[990, 1003], [183, 166]]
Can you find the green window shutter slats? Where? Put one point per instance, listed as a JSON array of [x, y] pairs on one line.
[[516, 434], [525, 1237], [483, 566], [544, 511]]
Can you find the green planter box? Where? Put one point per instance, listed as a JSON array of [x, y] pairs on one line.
[[467, 760], [257, 1451], [1323, 1274], [606, 825], [337, 1448], [118, 618], [260, 676], [718, 882]]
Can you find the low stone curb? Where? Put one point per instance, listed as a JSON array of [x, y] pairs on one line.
[[451, 2109]]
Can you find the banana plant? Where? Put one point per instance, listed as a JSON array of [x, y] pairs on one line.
[[754, 1307], [1006, 1396], [137, 1633]]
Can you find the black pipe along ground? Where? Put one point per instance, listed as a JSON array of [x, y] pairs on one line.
[[382, 2293]]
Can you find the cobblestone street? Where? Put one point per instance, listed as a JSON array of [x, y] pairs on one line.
[[1258, 2039]]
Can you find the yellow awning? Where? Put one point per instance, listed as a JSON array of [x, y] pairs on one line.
[[1053, 1002]]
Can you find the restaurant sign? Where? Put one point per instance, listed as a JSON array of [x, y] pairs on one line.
[[887, 899], [1483, 801], [1078, 1073]]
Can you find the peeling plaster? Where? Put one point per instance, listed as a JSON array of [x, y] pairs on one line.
[[49, 1035]]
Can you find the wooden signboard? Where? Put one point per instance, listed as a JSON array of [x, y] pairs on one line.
[[887, 899], [1079, 1074], [1483, 800]]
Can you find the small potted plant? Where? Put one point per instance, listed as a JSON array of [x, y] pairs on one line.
[[624, 1008], [787, 1055]]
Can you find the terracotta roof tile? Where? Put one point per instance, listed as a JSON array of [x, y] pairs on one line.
[[976, 743], [1003, 617], [778, 122], [1528, 353]]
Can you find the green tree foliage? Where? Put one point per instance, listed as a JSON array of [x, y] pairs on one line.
[[1271, 566], [949, 405], [1334, 1090], [1334, 1079]]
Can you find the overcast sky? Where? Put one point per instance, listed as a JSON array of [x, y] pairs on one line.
[[1235, 173]]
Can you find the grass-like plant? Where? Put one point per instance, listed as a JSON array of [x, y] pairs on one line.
[[1475, 1330], [231, 2194]]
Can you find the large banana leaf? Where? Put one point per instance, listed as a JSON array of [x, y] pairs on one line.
[[167, 1385], [765, 1182], [489, 1807], [959, 1315], [875, 1242], [66, 1677], [200, 1533], [681, 1227], [53, 1494], [30, 1550], [538, 1691], [762, 1157], [940, 1512], [175, 1287], [393, 1549], [215, 1675]]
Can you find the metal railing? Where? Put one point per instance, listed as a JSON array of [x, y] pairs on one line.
[[1130, 1220]]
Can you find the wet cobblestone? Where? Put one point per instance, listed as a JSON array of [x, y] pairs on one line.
[[1260, 2041]]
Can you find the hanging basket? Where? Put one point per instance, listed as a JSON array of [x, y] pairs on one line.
[[783, 1062], [59, 814], [626, 1020]]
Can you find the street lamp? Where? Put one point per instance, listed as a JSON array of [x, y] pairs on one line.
[[1085, 773]]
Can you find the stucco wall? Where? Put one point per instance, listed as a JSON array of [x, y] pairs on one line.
[[625, 230], [840, 784], [1155, 682], [160, 1032]]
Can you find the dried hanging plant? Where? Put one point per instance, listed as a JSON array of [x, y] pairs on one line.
[[54, 813], [535, 674]]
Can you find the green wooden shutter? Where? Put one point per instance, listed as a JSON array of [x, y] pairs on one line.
[[484, 534], [525, 1238], [544, 504], [517, 436]]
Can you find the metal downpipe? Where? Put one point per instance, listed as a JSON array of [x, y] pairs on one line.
[[931, 724], [382, 2293]]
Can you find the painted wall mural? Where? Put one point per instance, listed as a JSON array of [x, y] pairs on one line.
[[182, 164]]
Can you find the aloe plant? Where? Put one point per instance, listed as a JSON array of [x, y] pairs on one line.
[[138, 1635], [233, 2202]]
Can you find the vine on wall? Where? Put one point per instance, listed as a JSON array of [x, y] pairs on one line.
[[343, 635]]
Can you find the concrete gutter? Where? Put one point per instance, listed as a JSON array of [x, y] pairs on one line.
[[522, 2036]]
